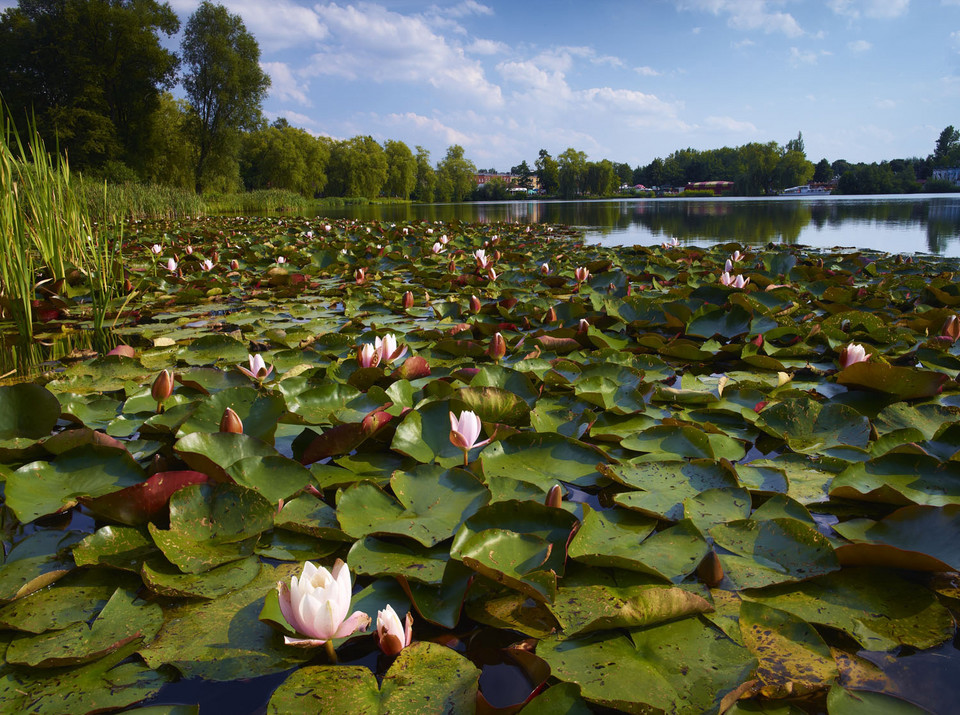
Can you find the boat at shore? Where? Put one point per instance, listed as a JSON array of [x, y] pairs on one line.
[[808, 190]]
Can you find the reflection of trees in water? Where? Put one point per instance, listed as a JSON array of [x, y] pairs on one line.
[[751, 221]]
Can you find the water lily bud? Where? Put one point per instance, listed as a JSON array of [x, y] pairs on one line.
[[583, 326], [230, 422], [426, 298], [491, 274], [554, 496], [550, 316], [452, 266], [710, 571], [189, 250], [951, 328], [234, 265], [496, 255], [393, 636], [474, 304], [498, 347], [162, 387], [215, 256], [360, 275], [408, 300]]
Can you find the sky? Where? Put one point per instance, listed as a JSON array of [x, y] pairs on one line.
[[629, 81]]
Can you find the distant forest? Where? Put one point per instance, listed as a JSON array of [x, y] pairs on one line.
[[94, 79]]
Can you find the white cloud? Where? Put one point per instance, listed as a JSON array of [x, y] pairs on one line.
[[802, 57], [748, 15], [369, 41], [297, 120], [430, 126], [487, 47], [859, 46], [283, 85], [646, 71], [878, 9], [886, 104], [730, 124], [277, 25], [746, 42], [463, 9]]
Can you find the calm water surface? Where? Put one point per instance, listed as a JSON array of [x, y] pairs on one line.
[[918, 223]]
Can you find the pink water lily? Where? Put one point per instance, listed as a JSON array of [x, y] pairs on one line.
[[545, 268], [389, 349], [672, 244], [737, 281], [171, 265], [482, 261], [392, 635], [465, 431], [852, 354], [368, 355], [438, 247], [582, 274], [316, 605], [157, 249], [259, 370]]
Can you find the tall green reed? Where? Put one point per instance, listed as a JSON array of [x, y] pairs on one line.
[[17, 265]]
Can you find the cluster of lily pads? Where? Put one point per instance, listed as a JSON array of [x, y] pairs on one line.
[[658, 479]]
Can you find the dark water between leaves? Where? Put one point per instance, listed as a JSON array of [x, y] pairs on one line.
[[919, 223]]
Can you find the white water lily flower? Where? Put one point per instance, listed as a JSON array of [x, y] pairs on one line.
[[852, 354], [316, 605], [389, 349], [465, 431], [259, 370]]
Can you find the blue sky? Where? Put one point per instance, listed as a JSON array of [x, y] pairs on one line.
[[864, 80]]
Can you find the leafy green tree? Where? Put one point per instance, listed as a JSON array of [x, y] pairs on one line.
[[793, 169], [601, 179], [548, 173], [524, 175], [283, 157], [224, 84], [823, 172], [91, 72], [426, 177], [170, 147], [401, 170], [624, 173], [493, 190], [796, 144], [357, 167], [947, 150], [573, 169], [455, 175]]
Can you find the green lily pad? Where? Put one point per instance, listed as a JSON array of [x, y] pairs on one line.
[[41, 488], [211, 525], [904, 383], [165, 579], [274, 477], [665, 485], [810, 428], [376, 557], [308, 515], [874, 606], [37, 561], [27, 411], [773, 551], [841, 701], [793, 659], [543, 459], [214, 453], [425, 678], [124, 619], [685, 666], [899, 478], [120, 547], [429, 506], [258, 413]]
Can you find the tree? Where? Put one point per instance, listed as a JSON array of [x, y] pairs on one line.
[[224, 84], [573, 169], [170, 145], [358, 167], [91, 72], [793, 169], [455, 175], [823, 172], [796, 144], [947, 150], [283, 157], [426, 177], [401, 170], [523, 173], [548, 173]]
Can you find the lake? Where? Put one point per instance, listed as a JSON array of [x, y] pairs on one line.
[[914, 223]]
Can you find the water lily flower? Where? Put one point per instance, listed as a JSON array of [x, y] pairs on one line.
[[851, 354], [491, 274], [259, 370], [326, 227], [392, 635], [728, 266], [582, 274], [360, 275], [429, 231], [482, 260], [672, 244], [189, 250], [438, 247], [388, 348], [737, 281], [464, 433], [368, 355], [444, 240], [157, 249], [545, 268], [171, 265], [736, 256], [206, 264], [316, 605]]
